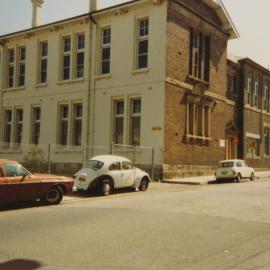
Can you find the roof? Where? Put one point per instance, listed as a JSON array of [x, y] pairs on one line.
[[108, 159], [222, 13], [217, 5]]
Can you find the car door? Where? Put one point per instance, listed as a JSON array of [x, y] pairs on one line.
[[247, 170], [116, 173], [19, 187], [3, 188], [128, 174]]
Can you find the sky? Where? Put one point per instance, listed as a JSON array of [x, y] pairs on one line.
[[251, 18]]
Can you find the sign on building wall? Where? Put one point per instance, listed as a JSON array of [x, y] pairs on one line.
[[222, 143]]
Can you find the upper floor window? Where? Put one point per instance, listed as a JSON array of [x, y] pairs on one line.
[[43, 66], [199, 55], [66, 62], [21, 67], [232, 86], [250, 88], [266, 96], [105, 50], [257, 92], [142, 43], [11, 68], [80, 47]]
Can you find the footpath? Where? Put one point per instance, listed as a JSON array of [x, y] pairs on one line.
[[204, 180]]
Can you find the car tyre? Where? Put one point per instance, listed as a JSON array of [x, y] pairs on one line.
[[252, 177], [238, 178], [106, 187], [144, 184], [53, 196]]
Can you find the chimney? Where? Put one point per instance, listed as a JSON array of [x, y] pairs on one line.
[[36, 15], [94, 5]]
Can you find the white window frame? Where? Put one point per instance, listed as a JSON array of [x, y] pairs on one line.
[[79, 51], [66, 53], [142, 38], [105, 46], [117, 116], [18, 124], [77, 118], [63, 119], [43, 57], [35, 122], [21, 62], [132, 116], [11, 64]]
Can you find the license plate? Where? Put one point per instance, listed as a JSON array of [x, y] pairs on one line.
[[223, 173]]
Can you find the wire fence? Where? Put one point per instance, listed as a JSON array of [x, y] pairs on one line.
[[68, 159]]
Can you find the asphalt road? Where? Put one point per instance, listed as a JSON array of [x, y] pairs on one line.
[[219, 226]]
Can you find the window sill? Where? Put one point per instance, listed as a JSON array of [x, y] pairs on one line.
[[189, 136], [68, 149], [104, 76], [41, 85], [198, 80], [139, 71], [14, 89], [9, 150], [70, 81], [249, 156]]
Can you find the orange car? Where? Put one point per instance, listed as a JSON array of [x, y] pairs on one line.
[[18, 184]]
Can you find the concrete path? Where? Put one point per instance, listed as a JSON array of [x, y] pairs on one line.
[[204, 180]]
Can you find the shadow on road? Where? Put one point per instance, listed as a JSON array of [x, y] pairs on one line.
[[20, 264]]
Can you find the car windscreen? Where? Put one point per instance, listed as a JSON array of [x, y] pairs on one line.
[[225, 165], [93, 165]]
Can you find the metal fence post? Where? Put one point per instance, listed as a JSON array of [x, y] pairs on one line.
[[112, 148], [49, 158], [134, 155], [153, 158], [83, 153]]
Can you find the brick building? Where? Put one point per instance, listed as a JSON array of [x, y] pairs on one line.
[[252, 84], [145, 72]]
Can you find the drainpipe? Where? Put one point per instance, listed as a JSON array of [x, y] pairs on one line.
[[2, 44]]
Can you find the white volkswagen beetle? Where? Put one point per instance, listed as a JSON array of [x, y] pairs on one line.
[[108, 172], [234, 169]]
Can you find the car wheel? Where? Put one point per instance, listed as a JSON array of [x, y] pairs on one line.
[[238, 178], [53, 196], [144, 184], [106, 188], [252, 177]]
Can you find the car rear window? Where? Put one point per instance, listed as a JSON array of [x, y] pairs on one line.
[[225, 165], [14, 169], [93, 164]]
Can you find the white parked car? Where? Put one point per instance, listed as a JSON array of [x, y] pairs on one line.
[[234, 169], [108, 172]]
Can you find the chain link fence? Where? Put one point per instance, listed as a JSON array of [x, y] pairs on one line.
[[68, 159]]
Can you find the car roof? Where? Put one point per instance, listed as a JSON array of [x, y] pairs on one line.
[[108, 159], [230, 160], [7, 161]]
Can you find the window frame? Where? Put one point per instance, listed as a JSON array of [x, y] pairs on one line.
[[105, 46], [140, 39]]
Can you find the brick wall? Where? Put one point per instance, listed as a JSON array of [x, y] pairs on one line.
[[177, 149]]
